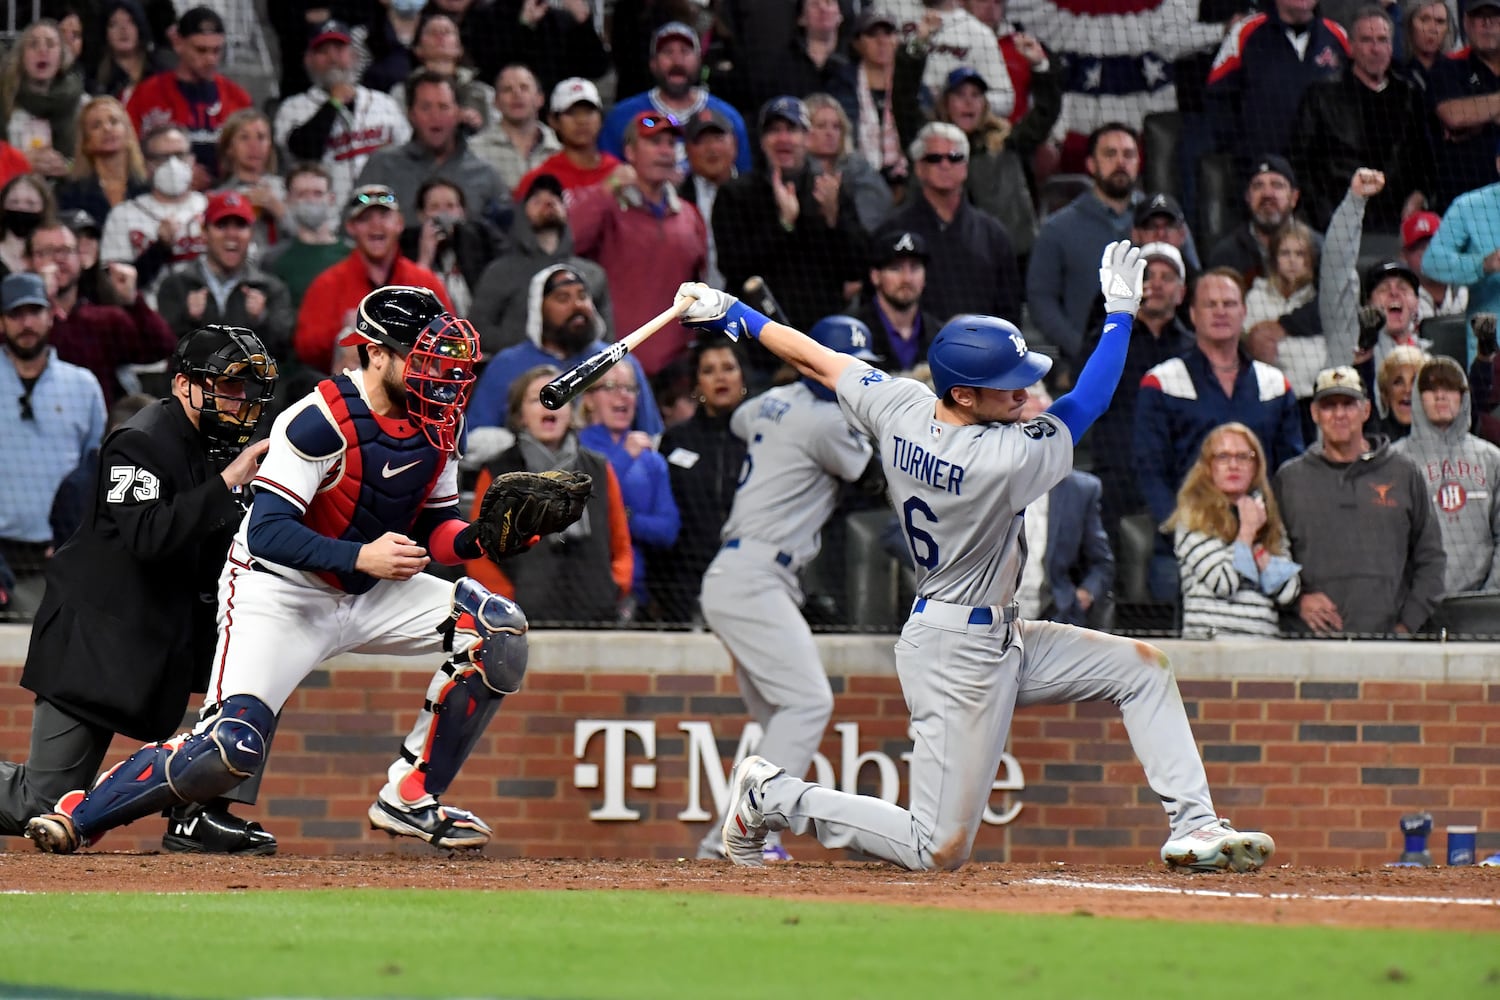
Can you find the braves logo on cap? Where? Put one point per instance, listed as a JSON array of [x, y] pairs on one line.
[[905, 244]]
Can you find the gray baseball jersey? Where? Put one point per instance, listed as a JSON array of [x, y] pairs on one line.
[[795, 444], [959, 491]]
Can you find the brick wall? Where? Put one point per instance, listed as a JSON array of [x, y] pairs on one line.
[[1326, 765]]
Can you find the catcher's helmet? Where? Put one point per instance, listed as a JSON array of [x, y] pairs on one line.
[[983, 352], [236, 375], [440, 351], [394, 316]]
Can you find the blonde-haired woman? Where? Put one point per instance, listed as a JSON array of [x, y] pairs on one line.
[[109, 168], [39, 99], [1230, 544], [1395, 384], [247, 164], [830, 144]]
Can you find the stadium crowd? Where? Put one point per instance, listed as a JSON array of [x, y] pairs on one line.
[[1303, 441]]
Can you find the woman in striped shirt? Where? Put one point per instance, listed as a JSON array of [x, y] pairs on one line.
[[1230, 544]]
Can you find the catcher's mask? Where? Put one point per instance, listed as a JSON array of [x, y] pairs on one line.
[[440, 377], [236, 375], [440, 351]]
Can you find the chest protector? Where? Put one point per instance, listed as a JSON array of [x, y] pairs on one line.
[[380, 482]]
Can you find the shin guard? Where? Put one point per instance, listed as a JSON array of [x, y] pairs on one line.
[[194, 767]]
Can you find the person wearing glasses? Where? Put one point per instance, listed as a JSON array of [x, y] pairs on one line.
[[1230, 543], [609, 406], [973, 267], [51, 415], [372, 220], [96, 336], [1182, 399], [1360, 521], [647, 239], [163, 226]]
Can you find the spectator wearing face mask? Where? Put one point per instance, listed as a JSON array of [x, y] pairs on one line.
[[314, 245], [163, 226], [24, 202]]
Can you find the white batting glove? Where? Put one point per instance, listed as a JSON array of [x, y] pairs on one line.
[[1122, 276], [711, 309]]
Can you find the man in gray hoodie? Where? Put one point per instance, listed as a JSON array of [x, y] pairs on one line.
[[1359, 522], [1461, 471], [539, 237]]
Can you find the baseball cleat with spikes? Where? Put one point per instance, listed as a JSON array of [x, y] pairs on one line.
[[1217, 846], [744, 822]]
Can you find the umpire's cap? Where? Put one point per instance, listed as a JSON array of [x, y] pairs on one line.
[[983, 352], [394, 317], [844, 334]]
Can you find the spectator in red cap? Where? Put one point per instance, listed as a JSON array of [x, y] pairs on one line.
[[647, 239], [1434, 298], [223, 286], [334, 122], [577, 116], [372, 220], [194, 95]]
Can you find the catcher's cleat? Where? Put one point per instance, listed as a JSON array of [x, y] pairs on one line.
[[439, 825], [210, 828], [1217, 846], [744, 829], [54, 833]]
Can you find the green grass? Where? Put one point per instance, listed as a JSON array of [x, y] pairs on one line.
[[426, 943]]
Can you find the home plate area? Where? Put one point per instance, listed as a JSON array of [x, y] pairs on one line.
[[1465, 898]]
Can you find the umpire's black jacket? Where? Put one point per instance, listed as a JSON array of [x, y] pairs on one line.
[[125, 632]]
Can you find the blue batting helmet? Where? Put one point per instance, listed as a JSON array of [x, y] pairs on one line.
[[844, 334], [983, 352]]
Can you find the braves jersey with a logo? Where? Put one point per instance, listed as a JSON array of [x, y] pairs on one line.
[[132, 227], [798, 447], [376, 123], [963, 40], [200, 108], [354, 475], [958, 491]]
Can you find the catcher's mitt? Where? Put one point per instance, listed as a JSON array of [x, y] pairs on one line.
[[520, 506]]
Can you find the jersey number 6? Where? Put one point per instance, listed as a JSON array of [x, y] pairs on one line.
[[924, 547]]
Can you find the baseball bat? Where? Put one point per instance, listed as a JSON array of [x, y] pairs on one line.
[[570, 384]]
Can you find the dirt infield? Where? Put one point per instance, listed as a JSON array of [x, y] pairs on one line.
[[1435, 898]]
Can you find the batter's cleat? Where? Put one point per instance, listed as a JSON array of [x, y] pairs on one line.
[[53, 832], [1493, 861], [210, 828], [771, 852], [744, 823], [1217, 846], [441, 826]]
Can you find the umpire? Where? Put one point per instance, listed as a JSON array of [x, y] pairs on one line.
[[126, 629]]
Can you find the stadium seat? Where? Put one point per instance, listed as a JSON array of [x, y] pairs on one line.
[[1159, 153], [1060, 190], [1466, 615], [1449, 336], [1221, 199]]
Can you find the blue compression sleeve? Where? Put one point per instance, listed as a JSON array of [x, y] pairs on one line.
[[277, 534], [739, 319], [1097, 382]]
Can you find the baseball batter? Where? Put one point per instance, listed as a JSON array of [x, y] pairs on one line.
[[798, 449], [961, 469], [358, 490]]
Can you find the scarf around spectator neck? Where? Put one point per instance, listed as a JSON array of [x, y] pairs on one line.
[[878, 142], [58, 104], [540, 458]]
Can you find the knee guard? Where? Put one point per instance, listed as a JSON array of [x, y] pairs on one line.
[[499, 630], [194, 767]]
